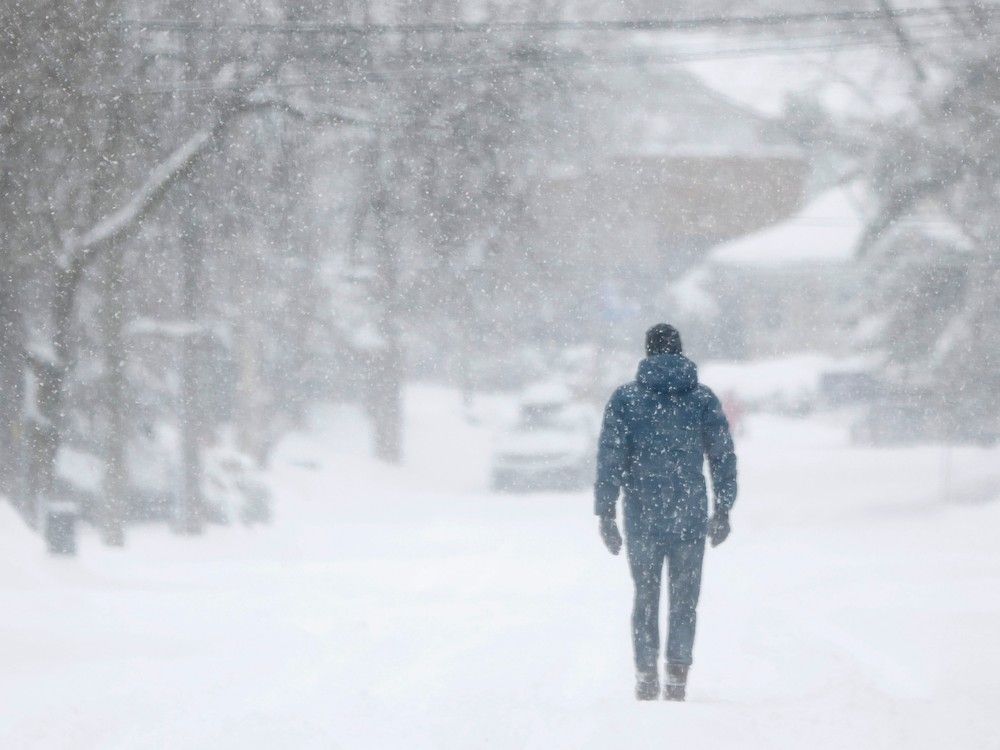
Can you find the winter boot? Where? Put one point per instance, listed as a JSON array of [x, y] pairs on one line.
[[647, 686], [676, 683]]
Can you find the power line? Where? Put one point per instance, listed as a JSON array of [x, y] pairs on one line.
[[486, 27], [464, 71], [412, 72]]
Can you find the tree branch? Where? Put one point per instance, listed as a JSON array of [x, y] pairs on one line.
[[344, 116], [83, 248], [904, 40], [158, 180]]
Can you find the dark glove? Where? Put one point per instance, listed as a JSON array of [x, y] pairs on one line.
[[718, 527], [610, 535]]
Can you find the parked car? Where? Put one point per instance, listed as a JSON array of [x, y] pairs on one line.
[[551, 446], [893, 421], [848, 387]]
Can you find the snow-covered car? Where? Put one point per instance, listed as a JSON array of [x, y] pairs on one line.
[[550, 447]]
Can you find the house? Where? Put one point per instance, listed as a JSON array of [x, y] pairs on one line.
[[680, 170], [783, 289]]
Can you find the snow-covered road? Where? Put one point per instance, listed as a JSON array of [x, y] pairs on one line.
[[856, 605]]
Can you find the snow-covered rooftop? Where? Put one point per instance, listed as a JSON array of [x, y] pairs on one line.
[[848, 82], [934, 227], [826, 230]]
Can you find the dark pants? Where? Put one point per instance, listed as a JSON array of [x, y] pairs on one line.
[[646, 555]]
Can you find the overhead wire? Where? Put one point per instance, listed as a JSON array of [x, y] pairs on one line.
[[556, 26], [923, 19], [421, 70]]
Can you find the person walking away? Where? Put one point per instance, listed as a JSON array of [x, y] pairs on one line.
[[657, 432]]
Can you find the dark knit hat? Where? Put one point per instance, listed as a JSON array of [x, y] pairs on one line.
[[663, 339]]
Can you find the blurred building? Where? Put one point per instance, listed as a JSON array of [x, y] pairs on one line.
[[784, 289], [681, 169]]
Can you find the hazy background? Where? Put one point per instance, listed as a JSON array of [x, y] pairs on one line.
[[305, 269]]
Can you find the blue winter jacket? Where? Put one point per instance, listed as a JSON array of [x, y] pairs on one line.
[[657, 432]]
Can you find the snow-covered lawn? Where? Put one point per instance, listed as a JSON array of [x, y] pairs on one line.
[[856, 605]]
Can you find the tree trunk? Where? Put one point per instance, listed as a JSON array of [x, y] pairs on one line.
[[45, 429], [387, 403], [387, 383], [190, 511], [11, 386], [250, 409], [112, 508]]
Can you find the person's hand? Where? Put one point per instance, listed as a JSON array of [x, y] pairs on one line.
[[718, 527], [610, 535]]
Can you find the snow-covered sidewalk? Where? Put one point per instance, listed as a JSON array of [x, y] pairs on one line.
[[854, 606]]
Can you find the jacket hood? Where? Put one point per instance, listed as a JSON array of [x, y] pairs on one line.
[[668, 373]]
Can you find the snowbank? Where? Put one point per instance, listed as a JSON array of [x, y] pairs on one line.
[[23, 561], [855, 605]]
